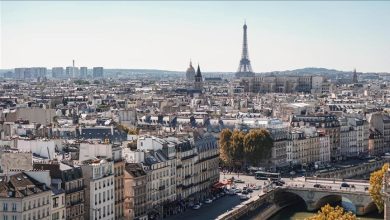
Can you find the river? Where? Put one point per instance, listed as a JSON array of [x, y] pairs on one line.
[[298, 212]]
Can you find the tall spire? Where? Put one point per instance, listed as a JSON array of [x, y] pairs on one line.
[[244, 68], [198, 73]]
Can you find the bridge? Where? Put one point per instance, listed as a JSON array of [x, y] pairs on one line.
[[330, 192]]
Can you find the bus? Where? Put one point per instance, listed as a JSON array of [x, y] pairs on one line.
[[261, 175]]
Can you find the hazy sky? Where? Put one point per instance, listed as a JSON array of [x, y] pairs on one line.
[[166, 35]]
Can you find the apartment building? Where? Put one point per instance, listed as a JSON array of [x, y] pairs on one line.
[[99, 181], [303, 146], [22, 197], [206, 163], [327, 123], [136, 202], [66, 177]]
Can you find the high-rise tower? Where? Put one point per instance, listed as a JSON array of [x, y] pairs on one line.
[[245, 68]]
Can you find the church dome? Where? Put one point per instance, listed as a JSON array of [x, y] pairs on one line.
[[190, 73]]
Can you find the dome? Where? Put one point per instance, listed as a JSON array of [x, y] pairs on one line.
[[190, 73]]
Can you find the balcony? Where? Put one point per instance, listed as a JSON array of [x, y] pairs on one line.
[[189, 157], [188, 186], [77, 189]]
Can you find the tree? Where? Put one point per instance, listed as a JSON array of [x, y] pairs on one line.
[[257, 146], [328, 212], [376, 181], [237, 146], [224, 146]]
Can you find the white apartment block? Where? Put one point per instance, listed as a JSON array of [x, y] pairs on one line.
[[99, 180]]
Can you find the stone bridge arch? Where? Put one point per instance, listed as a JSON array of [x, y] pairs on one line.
[[316, 198], [332, 199]]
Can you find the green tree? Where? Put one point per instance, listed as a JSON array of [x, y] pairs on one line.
[[376, 181], [224, 146], [257, 146], [328, 212]]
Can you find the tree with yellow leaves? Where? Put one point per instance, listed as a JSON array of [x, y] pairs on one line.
[[224, 146], [237, 147], [328, 212], [376, 182], [257, 146]]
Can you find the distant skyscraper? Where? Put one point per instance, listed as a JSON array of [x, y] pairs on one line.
[[97, 72], [28, 73], [198, 79], [190, 73], [71, 71], [57, 72], [355, 77], [245, 68], [83, 72]]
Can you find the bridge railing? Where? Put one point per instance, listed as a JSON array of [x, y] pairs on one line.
[[338, 180], [336, 190]]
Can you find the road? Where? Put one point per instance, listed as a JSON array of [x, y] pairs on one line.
[[220, 205], [226, 203]]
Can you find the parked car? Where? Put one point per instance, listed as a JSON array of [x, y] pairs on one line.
[[238, 190], [317, 185], [239, 181], [196, 207], [256, 188], [344, 185], [243, 197], [231, 192], [208, 201]]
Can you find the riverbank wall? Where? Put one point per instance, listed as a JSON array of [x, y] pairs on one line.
[[264, 204]]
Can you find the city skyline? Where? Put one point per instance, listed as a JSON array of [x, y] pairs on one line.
[[166, 35]]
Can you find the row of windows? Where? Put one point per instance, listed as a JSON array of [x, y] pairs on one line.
[[103, 212], [103, 198], [104, 183], [36, 215], [5, 207], [13, 217], [36, 203]]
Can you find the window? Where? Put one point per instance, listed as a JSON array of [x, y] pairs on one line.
[[14, 207], [5, 207]]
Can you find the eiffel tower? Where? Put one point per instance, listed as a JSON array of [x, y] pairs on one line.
[[245, 68]]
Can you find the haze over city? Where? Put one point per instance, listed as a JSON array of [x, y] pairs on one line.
[[166, 35]]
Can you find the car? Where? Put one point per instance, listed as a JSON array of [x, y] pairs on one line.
[[243, 197], [208, 201], [239, 181], [344, 185], [317, 185], [196, 207], [238, 190], [256, 188], [232, 192], [278, 183], [249, 190], [245, 192]]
